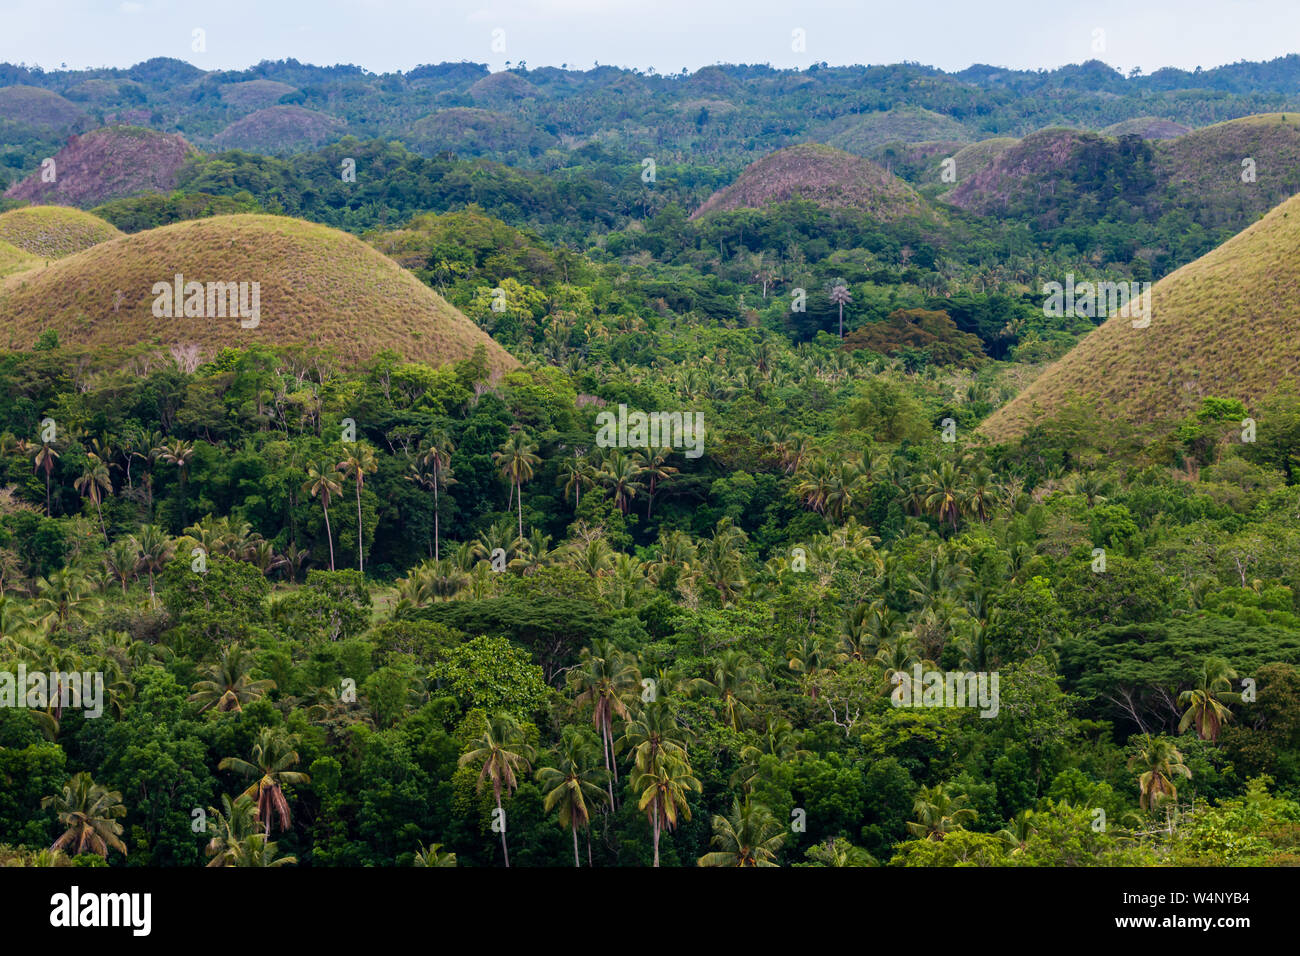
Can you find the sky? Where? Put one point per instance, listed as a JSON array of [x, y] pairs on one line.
[[667, 35]]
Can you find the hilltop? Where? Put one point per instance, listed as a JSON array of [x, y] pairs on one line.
[[52, 232], [280, 129], [823, 174], [37, 108], [108, 164], [860, 134], [1223, 325], [318, 286]]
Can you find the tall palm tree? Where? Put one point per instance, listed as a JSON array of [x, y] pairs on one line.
[[575, 474], [502, 754], [358, 461], [90, 814], [1207, 702], [939, 811], [735, 682], [230, 825], [1160, 761], [93, 483], [516, 459], [751, 836], [604, 678], [657, 471], [942, 493], [663, 789], [44, 459], [321, 483], [179, 453], [122, 560], [622, 475], [155, 550], [272, 756], [227, 687], [569, 786], [654, 734], [432, 471], [841, 297]]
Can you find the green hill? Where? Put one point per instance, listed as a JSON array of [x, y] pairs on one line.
[[52, 232]]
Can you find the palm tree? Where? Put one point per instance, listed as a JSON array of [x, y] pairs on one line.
[[1161, 762], [358, 462], [319, 482], [122, 560], [93, 483], [568, 787], [45, 457], [653, 735], [735, 682], [90, 814], [501, 764], [841, 296], [1206, 702], [751, 836], [178, 453], [155, 550], [516, 459], [622, 474], [939, 811], [663, 787], [658, 470], [227, 687], [604, 678], [257, 850], [943, 497], [432, 471], [273, 755], [434, 855], [1017, 833], [575, 474], [232, 824]]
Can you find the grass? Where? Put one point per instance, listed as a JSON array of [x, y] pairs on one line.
[[13, 259], [318, 286], [1224, 325], [109, 163], [822, 174], [53, 232], [36, 107], [280, 128], [859, 134]]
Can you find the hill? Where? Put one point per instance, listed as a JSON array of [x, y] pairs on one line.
[[823, 174], [13, 259], [38, 108], [1017, 172], [860, 134], [255, 94], [476, 132], [52, 232], [1148, 127], [108, 164], [1223, 325], [502, 88], [317, 286], [279, 129]]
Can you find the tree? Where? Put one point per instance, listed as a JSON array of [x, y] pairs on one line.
[[45, 457], [516, 459], [432, 471], [663, 787], [319, 483], [93, 483], [434, 855], [272, 756], [1206, 703], [1160, 761], [178, 453], [90, 814], [122, 561], [603, 678], [358, 462], [841, 297], [227, 687], [939, 811], [750, 836], [155, 550], [501, 754], [568, 787]]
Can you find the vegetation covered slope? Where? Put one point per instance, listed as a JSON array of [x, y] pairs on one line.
[[317, 286], [108, 164], [13, 259], [827, 176], [52, 232], [35, 107], [279, 129], [1225, 324]]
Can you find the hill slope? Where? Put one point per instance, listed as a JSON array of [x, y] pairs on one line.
[[1224, 325], [38, 108], [823, 174], [318, 286], [108, 164], [279, 129], [13, 259], [52, 232]]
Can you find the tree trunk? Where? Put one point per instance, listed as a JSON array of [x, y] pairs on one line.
[[501, 818], [573, 825], [329, 535], [361, 561], [655, 829]]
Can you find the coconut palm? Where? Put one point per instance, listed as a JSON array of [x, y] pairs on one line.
[[501, 754], [750, 836], [1160, 761], [575, 474], [515, 460], [841, 297], [735, 682], [605, 678], [230, 826], [569, 786], [1017, 833], [939, 811], [622, 475], [434, 855], [89, 812], [358, 461], [93, 483], [44, 459], [1207, 702], [155, 550], [657, 471], [122, 561], [179, 453], [662, 790], [321, 483], [432, 471], [227, 687], [272, 756]]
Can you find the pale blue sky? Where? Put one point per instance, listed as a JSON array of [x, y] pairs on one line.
[[386, 35]]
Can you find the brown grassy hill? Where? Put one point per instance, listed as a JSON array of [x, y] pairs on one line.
[[255, 94], [108, 164], [1025, 164], [279, 129], [862, 133], [38, 108], [1148, 127], [822, 174], [13, 259], [52, 232], [1225, 325], [318, 286]]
